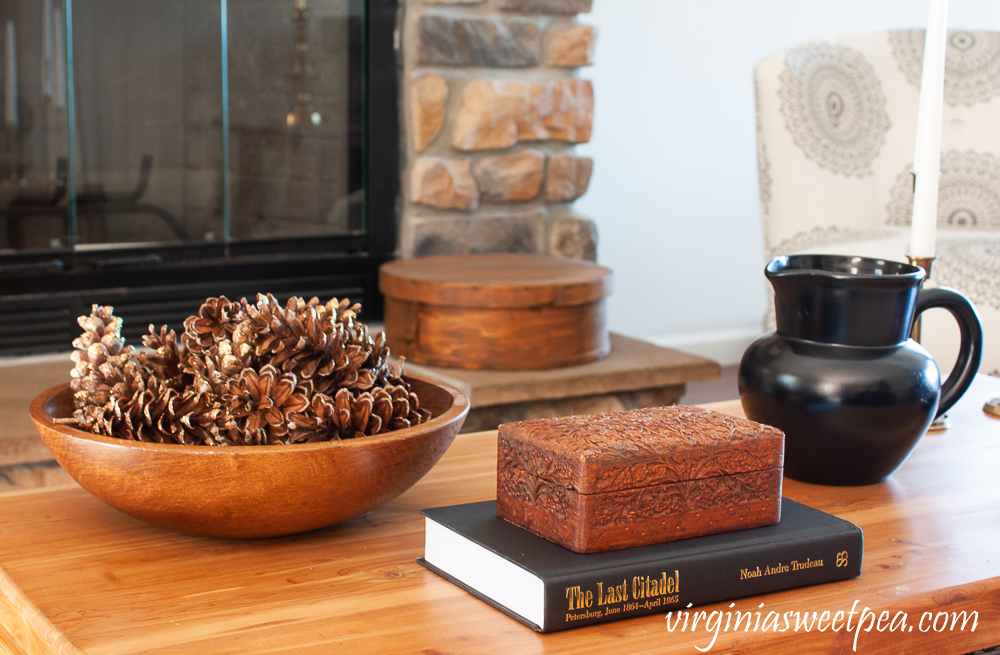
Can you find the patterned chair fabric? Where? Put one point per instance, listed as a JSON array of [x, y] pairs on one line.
[[836, 127]]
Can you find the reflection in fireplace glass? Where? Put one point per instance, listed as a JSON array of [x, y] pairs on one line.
[[293, 115], [33, 136], [146, 158]]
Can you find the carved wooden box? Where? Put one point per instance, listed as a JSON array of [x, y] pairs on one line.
[[503, 311], [646, 476]]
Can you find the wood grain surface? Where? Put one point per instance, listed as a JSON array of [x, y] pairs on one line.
[[632, 365], [497, 339], [621, 480], [252, 491], [78, 576], [496, 311], [508, 280]]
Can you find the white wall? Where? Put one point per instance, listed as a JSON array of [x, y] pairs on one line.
[[674, 190]]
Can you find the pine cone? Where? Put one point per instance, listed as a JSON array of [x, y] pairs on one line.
[[406, 409], [102, 412], [360, 363], [372, 412], [141, 407], [311, 340], [161, 414], [167, 361], [263, 405], [378, 362], [316, 422], [321, 376], [342, 310], [101, 343], [344, 370], [217, 319], [212, 369]]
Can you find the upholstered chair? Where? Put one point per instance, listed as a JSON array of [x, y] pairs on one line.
[[836, 122]]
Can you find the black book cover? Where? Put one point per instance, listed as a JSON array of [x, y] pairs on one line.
[[548, 587]]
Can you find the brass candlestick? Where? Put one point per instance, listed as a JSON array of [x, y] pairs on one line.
[[992, 407], [924, 263], [942, 422]]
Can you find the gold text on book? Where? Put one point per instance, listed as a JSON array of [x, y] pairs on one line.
[[608, 593], [795, 565]]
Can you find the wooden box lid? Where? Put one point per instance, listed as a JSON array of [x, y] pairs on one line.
[[501, 280], [639, 448]]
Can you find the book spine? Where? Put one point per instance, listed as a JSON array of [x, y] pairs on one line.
[[628, 591]]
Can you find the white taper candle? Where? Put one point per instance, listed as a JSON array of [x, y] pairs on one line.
[[927, 157]]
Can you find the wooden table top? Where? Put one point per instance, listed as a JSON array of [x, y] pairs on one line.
[[78, 576]]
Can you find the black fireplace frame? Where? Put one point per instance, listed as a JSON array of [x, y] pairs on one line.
[[43, 292]]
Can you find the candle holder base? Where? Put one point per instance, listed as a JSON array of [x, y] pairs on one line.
[[940, 424], [923, 262]]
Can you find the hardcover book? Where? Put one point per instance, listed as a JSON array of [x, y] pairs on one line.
[[549, 588]]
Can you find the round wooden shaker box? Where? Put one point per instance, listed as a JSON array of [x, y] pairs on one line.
[[496, 311]]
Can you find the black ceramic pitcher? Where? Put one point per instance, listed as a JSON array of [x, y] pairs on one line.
[[840, 375]]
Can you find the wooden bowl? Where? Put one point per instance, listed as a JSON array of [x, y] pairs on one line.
[[251, 491]]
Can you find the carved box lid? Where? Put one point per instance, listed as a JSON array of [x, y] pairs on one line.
[[639, 448]]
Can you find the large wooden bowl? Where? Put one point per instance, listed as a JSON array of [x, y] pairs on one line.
[[251, 491]]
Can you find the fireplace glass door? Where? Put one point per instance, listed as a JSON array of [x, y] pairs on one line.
[[207, 146], [171, 143]]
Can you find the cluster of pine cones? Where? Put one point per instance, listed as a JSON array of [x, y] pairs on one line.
[[241, 374]]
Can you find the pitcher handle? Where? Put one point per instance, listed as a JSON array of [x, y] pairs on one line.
[[971, 350]]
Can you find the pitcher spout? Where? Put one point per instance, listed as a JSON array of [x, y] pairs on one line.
[[854, 301]]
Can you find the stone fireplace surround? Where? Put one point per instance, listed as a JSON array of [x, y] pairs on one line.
[[491, 109]]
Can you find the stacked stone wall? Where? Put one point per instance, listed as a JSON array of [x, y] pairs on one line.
[[493, 106]]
